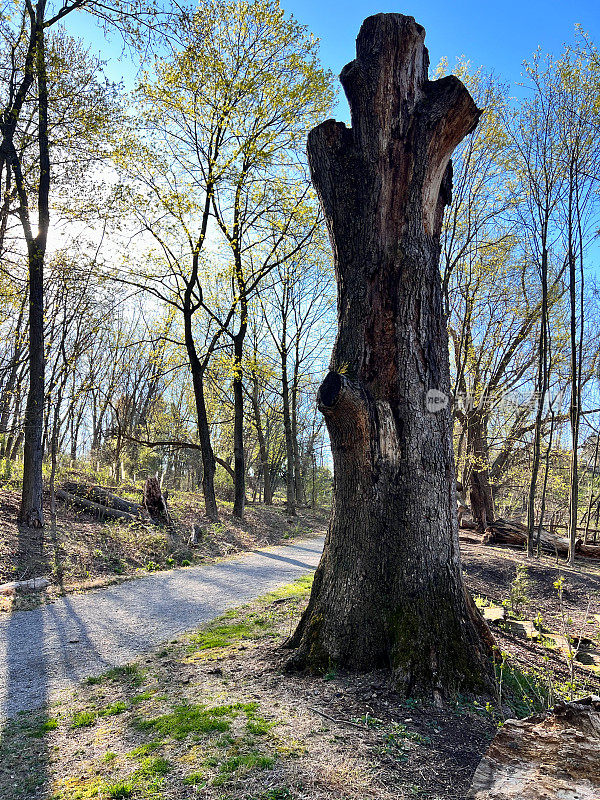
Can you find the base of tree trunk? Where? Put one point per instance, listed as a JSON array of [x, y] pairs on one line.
[[388, 591], [437, 661]]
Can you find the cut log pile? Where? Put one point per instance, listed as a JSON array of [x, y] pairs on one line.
[[514, 533], [100, 502], [102, 496], [549, 755], [104, 504]]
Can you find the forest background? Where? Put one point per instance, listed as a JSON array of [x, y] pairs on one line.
[[187, 295]]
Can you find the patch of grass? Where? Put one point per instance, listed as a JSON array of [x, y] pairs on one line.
[[83, 719], [298, 588], [79, 789], [190, 718], [42, 729], [144, 749], [195, 779], [244, 625], [109, 757], [151, 767], [235, 626], [93, 680], [139, 698], [117, 707], [282, 793], [242, 765], [256, 724], [223, 634], [121, 790], [131, 674]]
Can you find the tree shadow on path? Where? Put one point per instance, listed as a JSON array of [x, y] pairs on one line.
[[23, 747]]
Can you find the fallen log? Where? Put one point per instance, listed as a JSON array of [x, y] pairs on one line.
[[589, 550], [102, 496], [549, 755], [97, 509], [515, 533], [31, 585]]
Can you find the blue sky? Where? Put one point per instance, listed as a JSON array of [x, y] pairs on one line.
[[499, 35]]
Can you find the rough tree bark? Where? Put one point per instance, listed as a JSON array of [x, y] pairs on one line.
[[388, 591], [155, 502]]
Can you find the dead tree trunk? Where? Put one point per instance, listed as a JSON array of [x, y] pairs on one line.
[[155, 502], [388, 590]]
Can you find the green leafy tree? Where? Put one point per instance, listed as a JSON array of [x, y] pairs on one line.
[[221, 158]]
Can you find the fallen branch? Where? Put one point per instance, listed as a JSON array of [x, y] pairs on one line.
[[337, 721], [30, 585], [97, 509], [102, 496]]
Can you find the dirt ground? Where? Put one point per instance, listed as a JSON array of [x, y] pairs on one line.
[[214, 715], [489, 571]]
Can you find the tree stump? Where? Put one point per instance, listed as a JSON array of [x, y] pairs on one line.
[[388, 590], [197, 534], [556, 754], [155, 502]]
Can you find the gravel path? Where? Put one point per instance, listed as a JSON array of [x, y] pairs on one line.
[[56, 646]]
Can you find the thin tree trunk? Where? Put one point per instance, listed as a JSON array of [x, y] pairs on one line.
[[208, 456], [262, 444], [58, 560], [8, 393], [298, 478], [239, 461], [479, 489], [31, 513], [542, 383], [389, 590], [574, 406], [589, 508], [290, 494], [545, 485]]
